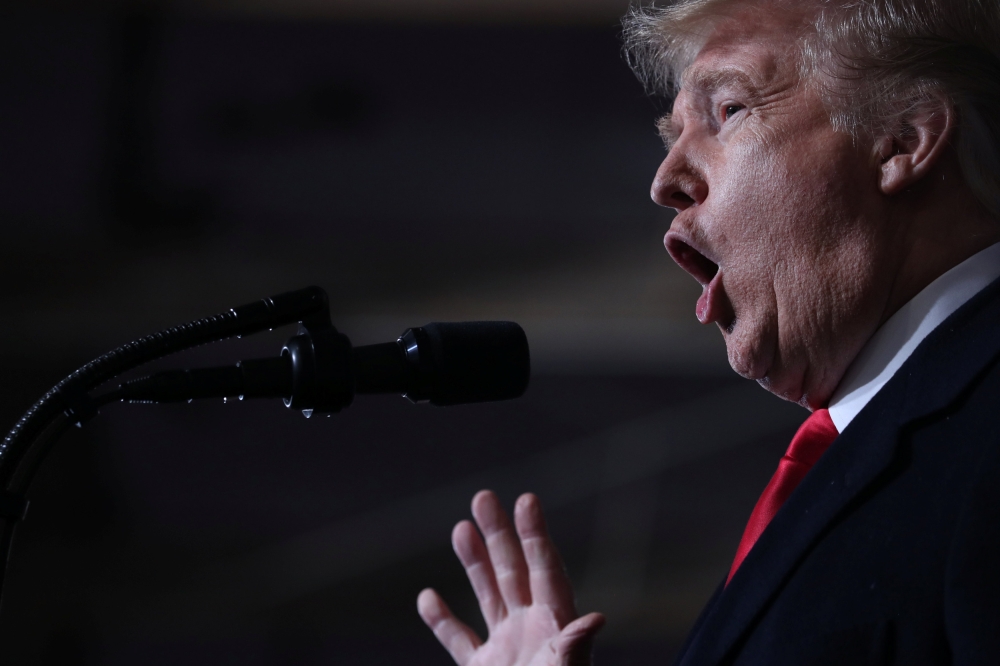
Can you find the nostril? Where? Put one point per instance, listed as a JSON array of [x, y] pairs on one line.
[[674, 192], [694, 262]]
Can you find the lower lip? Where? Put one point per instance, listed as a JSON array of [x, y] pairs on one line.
[[704, 310]]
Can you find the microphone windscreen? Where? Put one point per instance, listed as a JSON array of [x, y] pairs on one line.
[[474, 361]]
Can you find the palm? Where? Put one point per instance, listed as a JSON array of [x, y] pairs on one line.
[[525, 638], [523, 592]]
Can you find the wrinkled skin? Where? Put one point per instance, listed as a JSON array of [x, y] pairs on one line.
[[805, 241], [773, 219]]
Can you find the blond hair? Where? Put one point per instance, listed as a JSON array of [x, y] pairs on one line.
[[877, 61]]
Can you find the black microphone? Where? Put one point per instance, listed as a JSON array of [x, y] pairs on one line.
[[442, 363]]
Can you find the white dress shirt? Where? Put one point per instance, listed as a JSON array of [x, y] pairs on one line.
[[893, 343]]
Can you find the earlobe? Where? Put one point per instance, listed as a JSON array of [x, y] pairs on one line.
[[896, 174], [915, 147]]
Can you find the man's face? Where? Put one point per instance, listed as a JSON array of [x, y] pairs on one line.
[[778, 214]]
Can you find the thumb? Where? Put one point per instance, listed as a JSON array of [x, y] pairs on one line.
[[574, 643]]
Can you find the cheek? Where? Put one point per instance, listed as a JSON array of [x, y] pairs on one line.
[[787, 207], [798, 252], [752, 216], [824, 273]]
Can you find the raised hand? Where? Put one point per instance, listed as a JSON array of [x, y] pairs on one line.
[[523, 591]]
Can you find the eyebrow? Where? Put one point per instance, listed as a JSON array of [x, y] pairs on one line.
[[704, 81], [707, 81], [665, 128]]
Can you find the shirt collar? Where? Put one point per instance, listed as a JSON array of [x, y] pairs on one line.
[[893, 343]]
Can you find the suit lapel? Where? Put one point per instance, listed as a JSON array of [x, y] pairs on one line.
[[937, 372], [951, 359], [856, 458]]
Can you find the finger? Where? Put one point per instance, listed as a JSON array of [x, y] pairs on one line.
[[458, 639], [546, 574], [504, 548], [472, 553], [575, 642]]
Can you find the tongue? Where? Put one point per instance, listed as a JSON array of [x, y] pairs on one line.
[[703, 309]]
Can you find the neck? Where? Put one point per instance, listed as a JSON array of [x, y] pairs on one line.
[[927, 230], [936, 228]]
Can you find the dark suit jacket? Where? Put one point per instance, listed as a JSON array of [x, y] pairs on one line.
[[889, 551]]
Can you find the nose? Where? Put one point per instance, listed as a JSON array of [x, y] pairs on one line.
[[677, 183]]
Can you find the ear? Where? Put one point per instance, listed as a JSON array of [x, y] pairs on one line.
[[921, 137]]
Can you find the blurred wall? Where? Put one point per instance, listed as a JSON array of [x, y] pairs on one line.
[[435, 163]]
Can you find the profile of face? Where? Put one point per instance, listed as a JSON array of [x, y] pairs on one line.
[[777, 213]]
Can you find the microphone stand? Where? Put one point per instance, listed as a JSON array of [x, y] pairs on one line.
[[318, 370], [319, 358]]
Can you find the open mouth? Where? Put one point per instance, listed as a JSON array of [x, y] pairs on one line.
[[713, 305], [694, 262]]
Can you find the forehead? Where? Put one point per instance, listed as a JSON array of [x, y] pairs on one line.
[[749, 47]]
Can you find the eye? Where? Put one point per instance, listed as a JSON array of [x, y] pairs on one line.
[[731, 110]]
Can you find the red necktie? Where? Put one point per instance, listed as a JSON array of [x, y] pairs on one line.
[[810, 442]]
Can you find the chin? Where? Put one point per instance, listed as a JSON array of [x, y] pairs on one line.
[[748, 361], [774, 377], [785, 392]]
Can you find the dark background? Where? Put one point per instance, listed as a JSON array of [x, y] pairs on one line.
[[421, 161]]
